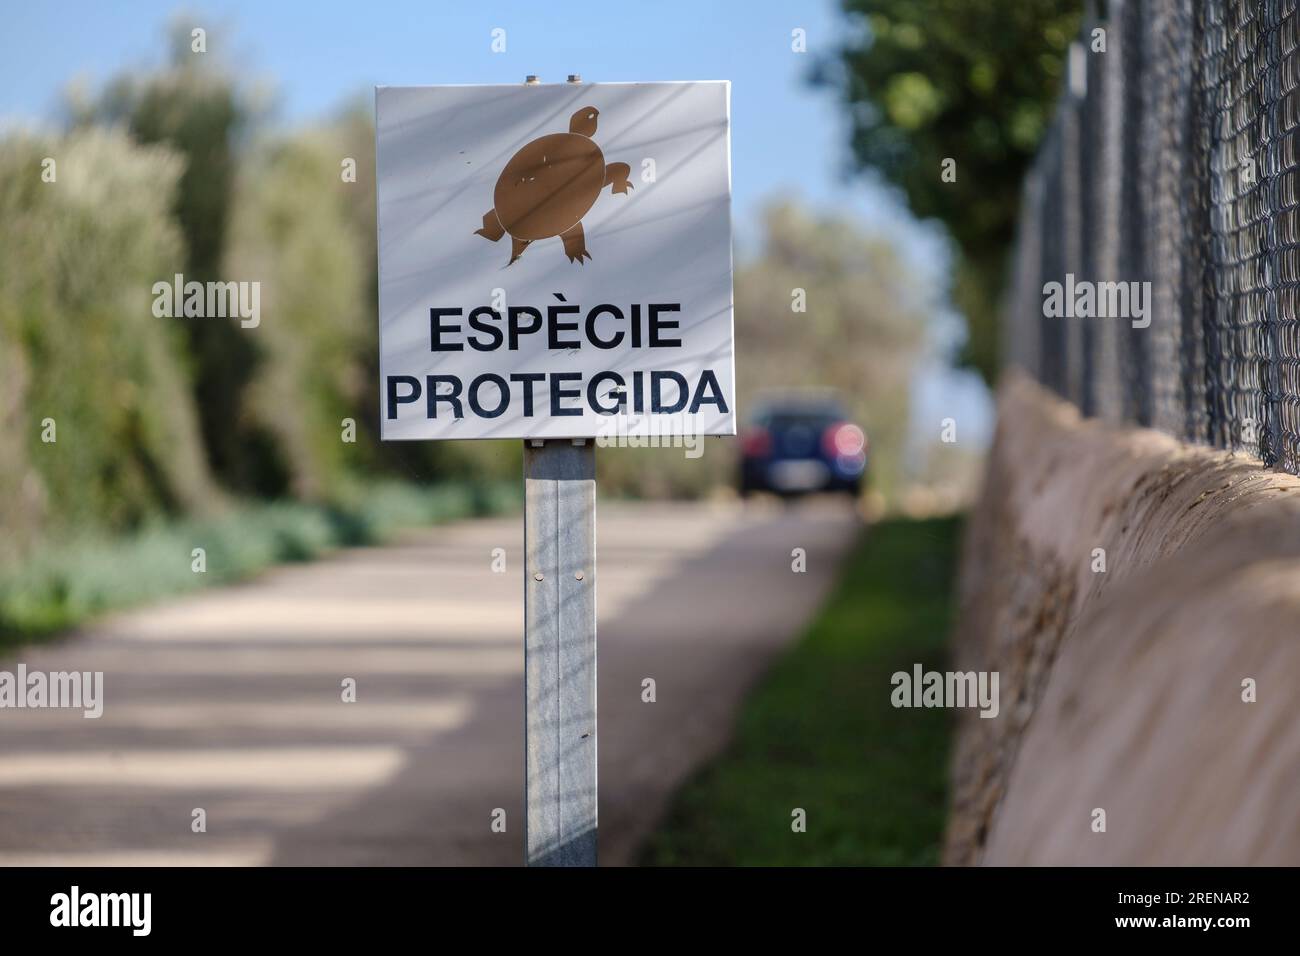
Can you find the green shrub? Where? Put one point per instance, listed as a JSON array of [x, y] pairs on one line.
[[62, 584]]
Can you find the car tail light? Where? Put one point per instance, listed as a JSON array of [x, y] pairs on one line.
[[756, 443], [844, 440]]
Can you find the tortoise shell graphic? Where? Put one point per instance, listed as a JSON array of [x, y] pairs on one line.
[[549, 185]]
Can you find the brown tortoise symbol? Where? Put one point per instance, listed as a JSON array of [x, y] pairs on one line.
[[549, 185]]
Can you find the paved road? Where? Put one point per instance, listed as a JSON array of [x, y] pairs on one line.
[[230, 700]]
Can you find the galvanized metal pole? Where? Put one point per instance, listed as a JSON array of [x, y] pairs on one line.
[[560, 649], [560, 652]]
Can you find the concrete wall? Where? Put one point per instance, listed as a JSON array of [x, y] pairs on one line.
[[1123, 690]]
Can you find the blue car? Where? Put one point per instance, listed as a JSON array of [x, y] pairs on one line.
[[801, 444]]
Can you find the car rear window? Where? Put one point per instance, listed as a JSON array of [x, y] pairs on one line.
[[814, 420]]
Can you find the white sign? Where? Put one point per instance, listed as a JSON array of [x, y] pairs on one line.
[[555, 260]]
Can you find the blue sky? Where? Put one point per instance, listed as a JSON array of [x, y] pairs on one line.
[[788, 137]]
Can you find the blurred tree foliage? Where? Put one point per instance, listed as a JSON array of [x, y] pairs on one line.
[[194, 106], [863, 332], [290, 231], [971, 80], [79, 343]]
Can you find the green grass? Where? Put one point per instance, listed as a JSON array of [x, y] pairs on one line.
[[820, 733], [61, 585]]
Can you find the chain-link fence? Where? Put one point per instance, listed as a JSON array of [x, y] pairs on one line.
[[1157, 276]]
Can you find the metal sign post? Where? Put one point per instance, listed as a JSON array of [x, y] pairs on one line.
[[560, 649]]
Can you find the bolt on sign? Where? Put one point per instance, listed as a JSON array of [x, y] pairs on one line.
[[555, 260]]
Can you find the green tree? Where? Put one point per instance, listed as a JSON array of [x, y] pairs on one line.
[[290, 231], [194, 107], [974, 81], [79, 343]]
